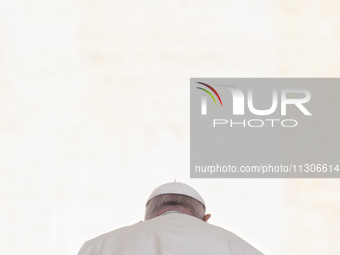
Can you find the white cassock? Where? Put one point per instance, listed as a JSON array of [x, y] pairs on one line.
[[170, 234]]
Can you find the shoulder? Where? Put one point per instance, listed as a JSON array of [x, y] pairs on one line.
[[215, 235], [173, 228], [236, 244], [112, 236]]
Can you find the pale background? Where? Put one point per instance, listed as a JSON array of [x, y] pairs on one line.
[[94, 114]]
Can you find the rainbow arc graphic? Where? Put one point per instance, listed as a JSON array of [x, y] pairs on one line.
[[209, 93]]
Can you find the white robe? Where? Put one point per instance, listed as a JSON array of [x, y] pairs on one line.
[[170, 234]]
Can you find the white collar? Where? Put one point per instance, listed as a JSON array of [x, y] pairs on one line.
[[172, 211]]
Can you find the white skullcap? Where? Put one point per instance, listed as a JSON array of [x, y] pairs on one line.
[[176, 188]]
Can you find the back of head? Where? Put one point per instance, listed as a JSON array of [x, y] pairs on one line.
[[175, 196], [157, 205]]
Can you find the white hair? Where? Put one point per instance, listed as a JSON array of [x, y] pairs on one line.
[[176, 201]]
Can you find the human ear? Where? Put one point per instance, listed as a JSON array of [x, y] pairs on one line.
[[206, 217]]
